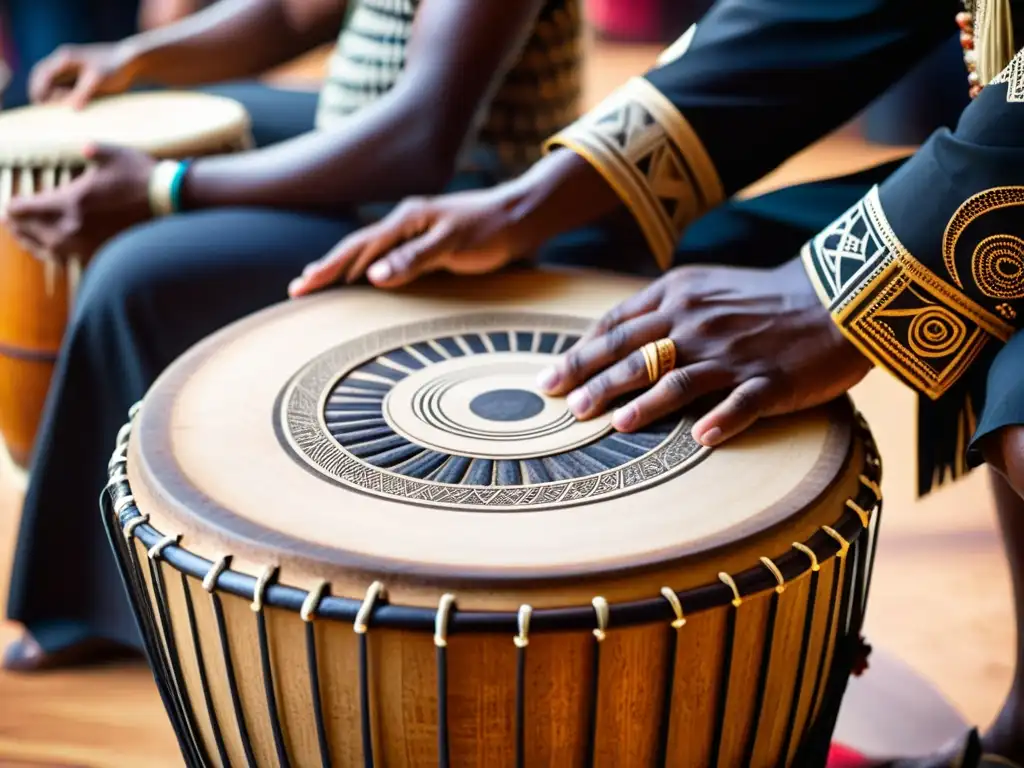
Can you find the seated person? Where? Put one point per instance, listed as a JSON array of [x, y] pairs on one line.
[[420, 96], [915, 266]]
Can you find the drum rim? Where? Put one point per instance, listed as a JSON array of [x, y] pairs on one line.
[[123, 518], [31, 153], [164, 479]]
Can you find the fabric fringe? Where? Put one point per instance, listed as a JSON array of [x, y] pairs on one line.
[[944, 431], [993, 31]]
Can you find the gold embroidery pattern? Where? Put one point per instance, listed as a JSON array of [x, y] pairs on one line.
[[998, 267], [934, 332], [892, 307], [651, 156], [971, 209]]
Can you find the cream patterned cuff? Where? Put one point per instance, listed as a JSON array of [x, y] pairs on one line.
[[651, 156], [891, 306]]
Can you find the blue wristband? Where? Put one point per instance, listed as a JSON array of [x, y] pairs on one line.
[[175, 190]]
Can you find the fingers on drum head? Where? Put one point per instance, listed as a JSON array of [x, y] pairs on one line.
[[588, 358]]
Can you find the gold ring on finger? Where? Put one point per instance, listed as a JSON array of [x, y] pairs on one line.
[[659, 358]]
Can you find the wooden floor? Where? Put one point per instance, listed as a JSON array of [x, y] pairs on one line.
[[941, 598]]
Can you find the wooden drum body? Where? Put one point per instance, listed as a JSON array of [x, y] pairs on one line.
[[354, 534], [40, 149]]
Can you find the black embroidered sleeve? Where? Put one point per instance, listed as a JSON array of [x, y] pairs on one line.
[[754, 82], [928, 268]]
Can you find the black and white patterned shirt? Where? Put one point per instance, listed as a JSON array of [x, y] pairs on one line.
[[538, 93]]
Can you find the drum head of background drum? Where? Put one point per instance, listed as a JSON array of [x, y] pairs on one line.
[[362, 434], [166, 124]]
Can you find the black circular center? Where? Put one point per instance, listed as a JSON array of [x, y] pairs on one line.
[[506, 405]]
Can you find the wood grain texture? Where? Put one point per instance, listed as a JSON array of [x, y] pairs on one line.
[[481, 688]]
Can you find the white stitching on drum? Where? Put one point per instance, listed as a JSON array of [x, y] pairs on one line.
[[123, 503], [726, 579], [815, 566], [116, 480], [871, 485], [844, 545], [767, 563], [123, 434], [131, 525], [160, 546], [134, 410], [601, 609], [523, 638], [210, 580], [261, 586], [677, 607], [373, 593], [73, 274], [6, 188], [864, 517], [309, 605], [444, 607]]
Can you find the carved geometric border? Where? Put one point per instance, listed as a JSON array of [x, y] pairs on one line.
[[301, 409]]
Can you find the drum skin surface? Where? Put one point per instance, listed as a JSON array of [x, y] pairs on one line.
[[356, 533], [41, 148]]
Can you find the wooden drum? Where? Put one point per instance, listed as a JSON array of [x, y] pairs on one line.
[[41, 148], [355, 534]]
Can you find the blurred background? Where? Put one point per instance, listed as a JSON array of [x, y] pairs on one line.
[[941, 596]]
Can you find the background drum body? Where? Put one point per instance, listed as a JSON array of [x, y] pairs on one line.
[[288, 467], [41, 148]]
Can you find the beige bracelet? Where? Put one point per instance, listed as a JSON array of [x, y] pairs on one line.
[[161, 183]]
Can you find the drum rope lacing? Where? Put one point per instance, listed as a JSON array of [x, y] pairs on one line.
[[265, 590], [125, 509]]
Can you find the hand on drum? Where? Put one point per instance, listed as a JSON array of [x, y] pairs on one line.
[[464, 233], [761, 337], [79, 73], [77, 218]]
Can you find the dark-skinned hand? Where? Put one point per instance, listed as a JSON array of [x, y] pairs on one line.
[[761, 338], [463, 233], [75, 219], [76, 74]]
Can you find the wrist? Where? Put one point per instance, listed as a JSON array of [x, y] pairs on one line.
[[559, 193], [139, 56], [131, 56]]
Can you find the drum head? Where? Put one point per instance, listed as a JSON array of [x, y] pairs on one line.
[[402, 433], [171, 124]]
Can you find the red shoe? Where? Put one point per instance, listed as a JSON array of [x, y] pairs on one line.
[[962, 753], [844, 757]]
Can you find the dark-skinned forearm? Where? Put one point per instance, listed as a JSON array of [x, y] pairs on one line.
[[232, 38], [391, 149], [560, 193]]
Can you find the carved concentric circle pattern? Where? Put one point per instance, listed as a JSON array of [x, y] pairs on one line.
[[446, 414]]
